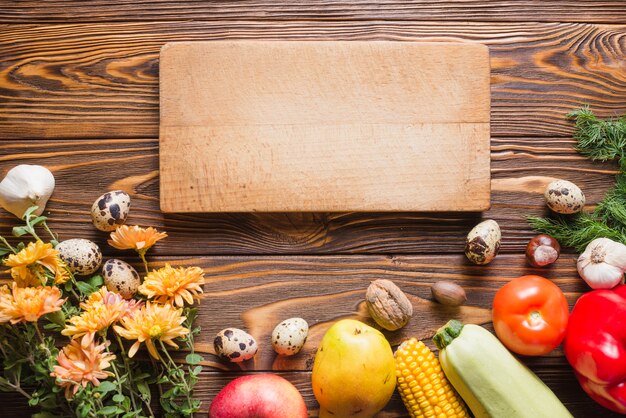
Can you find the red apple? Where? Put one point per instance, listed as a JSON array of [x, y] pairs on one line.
[[258, 396]]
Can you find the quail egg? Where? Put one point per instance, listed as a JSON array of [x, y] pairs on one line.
[[110, 210], [81, 255], [121, 277], [235, 345], [483, 242], [564, 197], [289, 336]]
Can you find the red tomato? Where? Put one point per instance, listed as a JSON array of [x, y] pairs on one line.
[[530, 315]]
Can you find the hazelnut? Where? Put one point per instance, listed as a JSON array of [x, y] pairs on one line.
[[542, 250], [448, 293]]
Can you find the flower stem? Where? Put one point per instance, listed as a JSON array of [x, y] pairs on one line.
[[128, 368], [42, 340], [16, 387], [47, 228], [6, 243], [142, 255], [182, 380]]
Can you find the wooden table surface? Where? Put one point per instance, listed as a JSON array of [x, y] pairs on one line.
[[79, 94]]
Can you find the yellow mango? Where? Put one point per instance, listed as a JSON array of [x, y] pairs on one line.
[[354, 371]]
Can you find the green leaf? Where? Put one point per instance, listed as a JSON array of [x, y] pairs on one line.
[[85, 288], [166, 405], [57, 318], [106, 387], [84, 410], [196, 370], [144, 389], [96, 281], [30, 211], [119, 398], [18, 231], [110, 410], [193, 358], [38, 220]]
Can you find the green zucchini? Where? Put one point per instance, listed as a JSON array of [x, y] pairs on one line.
[[492, 382]]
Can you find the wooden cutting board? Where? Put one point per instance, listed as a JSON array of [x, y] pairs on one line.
[[324, 126]]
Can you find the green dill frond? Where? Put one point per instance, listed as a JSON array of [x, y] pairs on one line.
[[598, 139], [612, 208], [576, 231]]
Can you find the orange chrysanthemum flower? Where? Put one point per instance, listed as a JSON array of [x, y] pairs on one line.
[[79, 365], [27, 265], [152, 322], [135, 238], [173, 285], [6, 298], [28, 304], [101, 310]]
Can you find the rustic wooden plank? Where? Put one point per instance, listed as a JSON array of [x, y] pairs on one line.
[[256, 293], [100, 80], [589, 11], [84, 169]]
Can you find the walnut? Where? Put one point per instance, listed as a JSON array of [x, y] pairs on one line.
[[388, 305]]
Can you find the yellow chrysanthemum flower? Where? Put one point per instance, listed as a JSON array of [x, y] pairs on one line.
[[152, 322], [27, 265], [79, 365], [28, 304], [173, 285], [101, 310], [135, 238]]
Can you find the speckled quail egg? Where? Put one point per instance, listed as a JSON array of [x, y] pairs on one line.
[[565, 197], [235, 345], [289, 336], [483, 242], [81, 255], [110, 210], [121, 277]]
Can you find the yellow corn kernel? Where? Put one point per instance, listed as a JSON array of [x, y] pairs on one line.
[[423, 387]]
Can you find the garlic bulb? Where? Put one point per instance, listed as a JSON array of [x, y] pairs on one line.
[[603, 263], [25, 186]]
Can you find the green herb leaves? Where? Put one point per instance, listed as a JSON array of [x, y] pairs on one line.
[[601, 140]]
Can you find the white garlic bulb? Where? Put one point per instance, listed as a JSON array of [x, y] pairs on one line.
[[25, 186], [603, 263]]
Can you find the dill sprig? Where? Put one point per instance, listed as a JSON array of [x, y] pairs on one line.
[[578, 230], [600, 140]]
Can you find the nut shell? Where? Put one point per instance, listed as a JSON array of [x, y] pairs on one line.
[[564, 197], [121, 277], [483, 242], [81, 255], [448, 293], [388, 305], [110, 210], [235, 345]]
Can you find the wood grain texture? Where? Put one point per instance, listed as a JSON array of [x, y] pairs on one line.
[[590, 11], [101, 80], [84, 169], [256, 293], [324, 127]]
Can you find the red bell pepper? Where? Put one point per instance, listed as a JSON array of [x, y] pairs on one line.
[[595, 346]]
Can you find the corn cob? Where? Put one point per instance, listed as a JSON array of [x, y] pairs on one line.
[[423, 387]]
